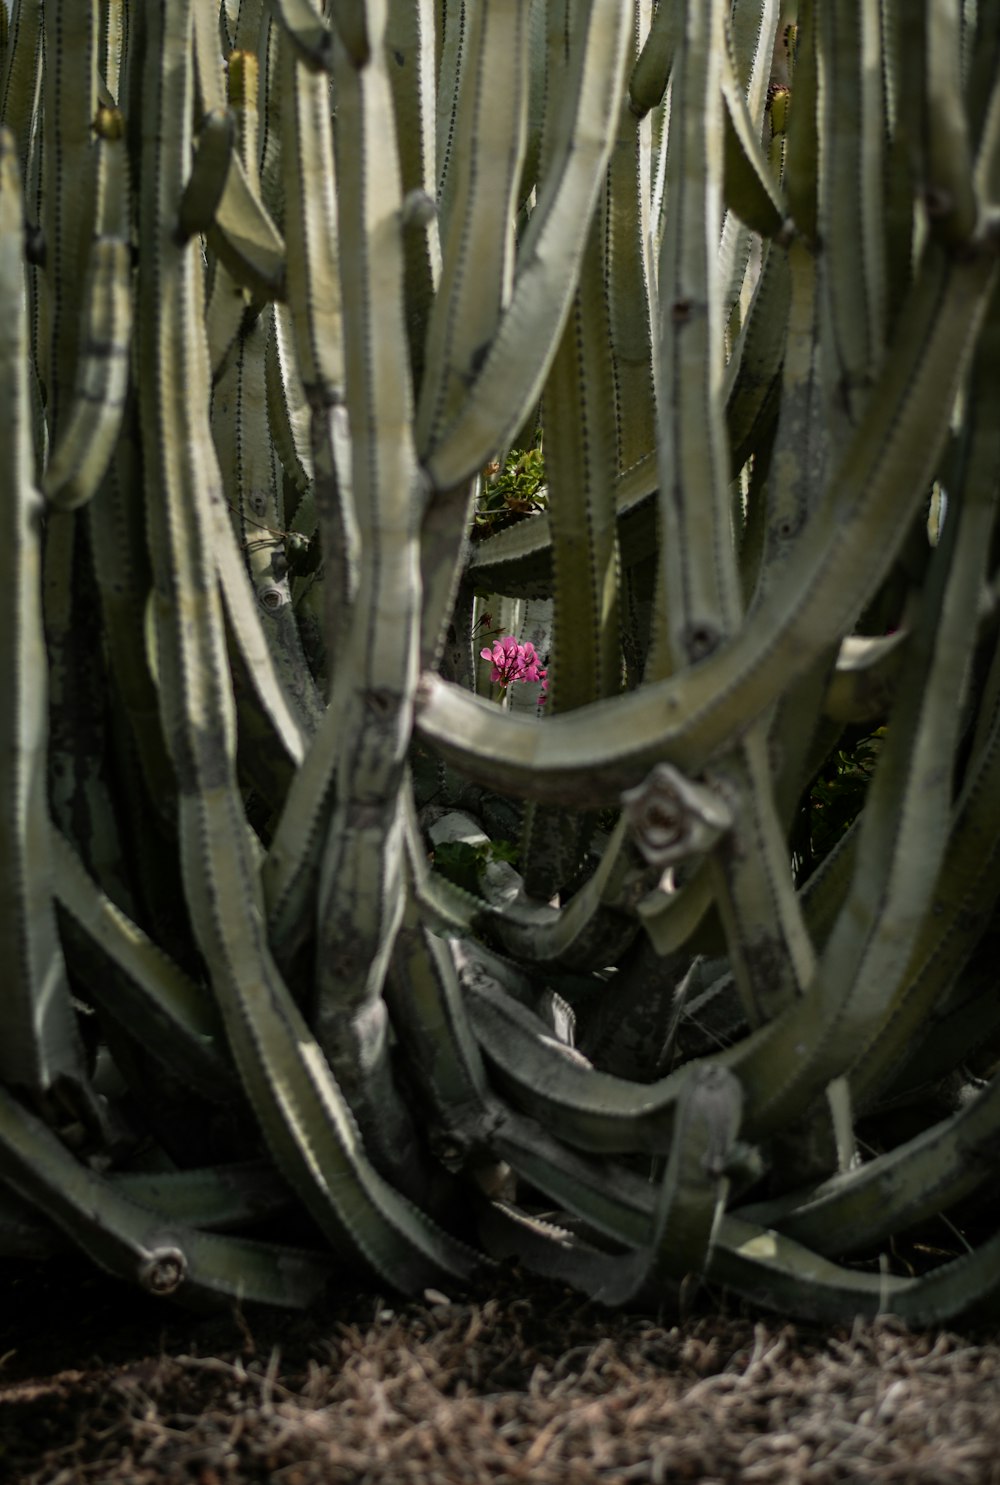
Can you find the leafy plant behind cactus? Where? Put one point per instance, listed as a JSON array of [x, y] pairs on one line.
[[419, 850]]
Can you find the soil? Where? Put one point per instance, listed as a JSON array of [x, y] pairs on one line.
[[520, 1382]]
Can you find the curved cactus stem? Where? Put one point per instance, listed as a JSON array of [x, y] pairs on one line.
[[652, 67], [134, 982], [845, 549], [360, 895], [40, 1044], [673, 912], [780, 1274], [287, 694], [84, 449], [209, 173], [948, 182], [519, 355], [684, 1216], [22, 61], [477, 268], [410, 39], [244, 237], [316, 308], [287, 407], [585, 661], [306, 29], [301, 1109], [700, 601], [69, 99], [851, 204], [770, 950], [90, 431], [750, 188], [588, 1109], [753, 374], [901, 843], [629, 271], [861, 1208], [138, 1242]]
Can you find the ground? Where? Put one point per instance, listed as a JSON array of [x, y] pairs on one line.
[[518, 1382]]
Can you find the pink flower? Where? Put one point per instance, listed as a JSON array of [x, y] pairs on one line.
[[513, 662]]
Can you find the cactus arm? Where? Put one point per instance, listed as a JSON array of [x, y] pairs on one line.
[[549, 255], [846, 547], [281, 701], [69, 99], [986, 177], [949, 187], [214, 1197], [135, 982], [579, 394], [227, 201], [750, 188], [19, 75], [40, 1043], [227, 299], [243, 236], [651, 68], [287, 407], [139, 1243], [286, 691], [895, 1191], [670, 914], [770, 950], [851, 194], [588, 1109], [409, 41], [586, 649], [477, 269], [964, 895], [209, 173], [360, 894], [780, 1273], [754, 370], [306, 29], [315, 303], [685, 1212], [86, 443], [290, 871], [473, 289], [610, 1198], [116, 529], [630, 273], [902, 839], [425, 1003], [302, 1111], [801, 456], [700, 598]]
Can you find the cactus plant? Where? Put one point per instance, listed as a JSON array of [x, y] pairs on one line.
[[327, 945]]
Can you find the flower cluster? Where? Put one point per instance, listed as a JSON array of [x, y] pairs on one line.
[[514, 662]]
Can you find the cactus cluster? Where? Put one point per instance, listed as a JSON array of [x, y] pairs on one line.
[[360, 359]]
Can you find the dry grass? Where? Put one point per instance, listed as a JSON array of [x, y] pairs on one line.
[[526, 1383]]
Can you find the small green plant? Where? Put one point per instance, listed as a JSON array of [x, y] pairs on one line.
[[511, 490], [461, 862]]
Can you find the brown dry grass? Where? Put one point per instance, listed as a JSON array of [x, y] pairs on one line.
[[522, 1383]]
